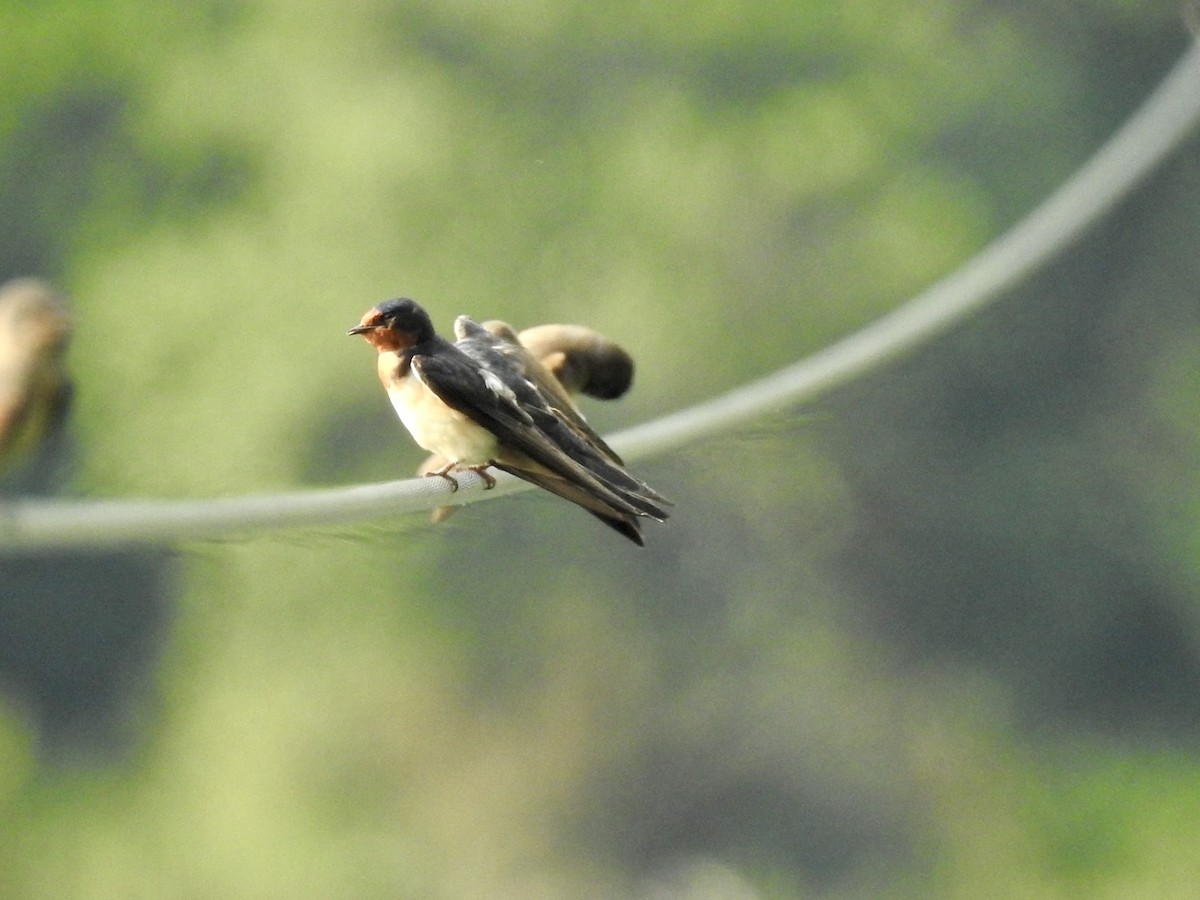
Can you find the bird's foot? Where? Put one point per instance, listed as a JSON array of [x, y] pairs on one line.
[[444, 472], [489, 481]]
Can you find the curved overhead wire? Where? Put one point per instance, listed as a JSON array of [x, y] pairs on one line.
[[1157, 128]]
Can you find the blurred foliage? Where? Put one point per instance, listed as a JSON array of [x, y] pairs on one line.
[[936, 637]]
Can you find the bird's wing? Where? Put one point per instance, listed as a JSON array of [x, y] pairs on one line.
[[495, 341], [463, 385], [554, 415]]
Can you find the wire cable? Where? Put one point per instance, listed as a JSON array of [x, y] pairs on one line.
[[1158, 127]]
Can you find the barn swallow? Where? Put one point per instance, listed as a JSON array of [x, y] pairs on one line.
[[35, 389], [477, 415], [561, 360], [516, 364], [499, 352]]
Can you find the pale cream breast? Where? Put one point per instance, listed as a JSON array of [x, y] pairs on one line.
[[438, 428]]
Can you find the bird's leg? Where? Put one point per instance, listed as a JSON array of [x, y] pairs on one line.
[[444, 472], [489, 481]]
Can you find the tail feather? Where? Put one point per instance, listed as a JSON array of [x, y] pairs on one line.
[[622, 520]]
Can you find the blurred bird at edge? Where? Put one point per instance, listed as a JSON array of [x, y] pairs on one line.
[[35, 389]]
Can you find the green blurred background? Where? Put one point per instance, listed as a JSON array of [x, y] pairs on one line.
[[936, 636]]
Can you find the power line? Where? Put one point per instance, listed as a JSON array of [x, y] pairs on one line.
[[1149, 136]]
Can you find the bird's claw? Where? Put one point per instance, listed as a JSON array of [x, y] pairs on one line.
[[489, 481], [445, 473]]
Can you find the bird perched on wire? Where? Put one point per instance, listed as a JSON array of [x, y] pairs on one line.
[[480, 405], [561, 360], [35, 389]]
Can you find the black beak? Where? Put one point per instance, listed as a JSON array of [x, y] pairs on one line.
[[361, 329]]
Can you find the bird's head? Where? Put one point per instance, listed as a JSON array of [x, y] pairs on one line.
[[395, 325]]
